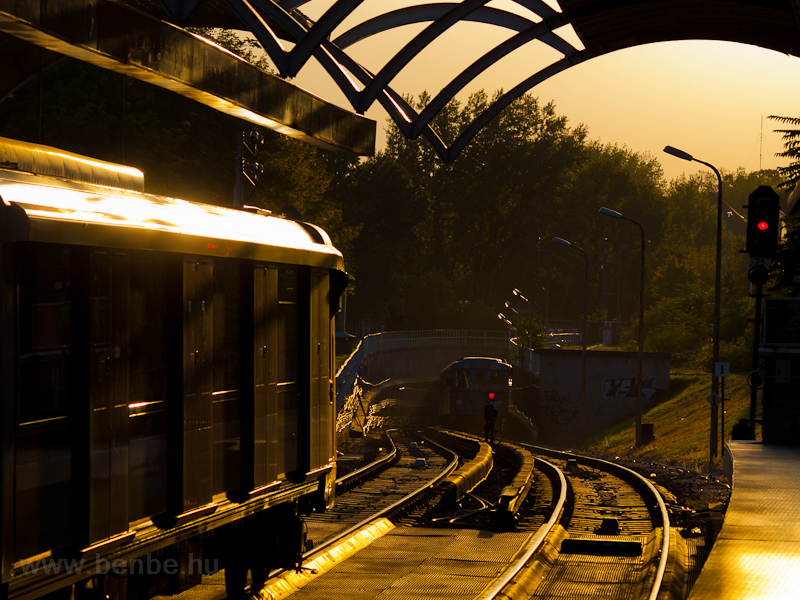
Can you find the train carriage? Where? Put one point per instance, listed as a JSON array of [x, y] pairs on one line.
[[466, 387], [167, 380]]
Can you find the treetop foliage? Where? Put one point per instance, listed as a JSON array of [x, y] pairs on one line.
[[791, 150], [435, 245]]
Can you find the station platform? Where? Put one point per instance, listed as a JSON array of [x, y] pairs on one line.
[[757, 553]]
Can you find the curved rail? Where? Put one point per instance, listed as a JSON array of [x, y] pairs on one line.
[[658, 509], [538, 539], [346, 482], [389, 510]]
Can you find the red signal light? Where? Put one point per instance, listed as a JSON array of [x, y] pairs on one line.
[[491, 395], [762, 225]]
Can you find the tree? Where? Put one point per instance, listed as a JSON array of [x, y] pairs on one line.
[[238, 42], [791, 150], [489, 216]]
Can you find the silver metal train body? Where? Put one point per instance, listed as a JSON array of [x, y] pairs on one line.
[[166, 377]]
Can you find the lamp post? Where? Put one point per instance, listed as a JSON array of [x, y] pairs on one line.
[[509, 307], [612, 213], [717, 293], [564, 242], [505, 320], [516, 292]]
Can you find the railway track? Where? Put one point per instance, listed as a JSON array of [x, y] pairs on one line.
[[613, 539], [582, 528], [389, 487]]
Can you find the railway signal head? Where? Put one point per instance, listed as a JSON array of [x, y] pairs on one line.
[[763, 223], [490, 397]]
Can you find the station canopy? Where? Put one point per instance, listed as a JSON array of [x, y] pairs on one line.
[[599, 26]]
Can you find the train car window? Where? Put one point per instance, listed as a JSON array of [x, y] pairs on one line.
[[462, 379], [287, 316], [148, 385], [44, 332], [498, 377], [227, 424], [480, 381], [43, 453]]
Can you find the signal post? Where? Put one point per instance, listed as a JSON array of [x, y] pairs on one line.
[[763, 234]]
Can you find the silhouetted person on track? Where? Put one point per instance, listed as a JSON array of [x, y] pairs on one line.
[[490, 416]]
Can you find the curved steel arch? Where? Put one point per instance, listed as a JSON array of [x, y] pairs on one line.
[[414, 47], [428, 12], [479, 66], [606, 26], [334, 61], [473, 128], [603, 26]]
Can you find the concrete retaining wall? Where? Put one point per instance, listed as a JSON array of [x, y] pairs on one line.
[[610, 390]]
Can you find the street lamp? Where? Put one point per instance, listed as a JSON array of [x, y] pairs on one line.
[[612, 213], [509, 307], [516, 292], [564, 242], [717, 293], [505, 320]]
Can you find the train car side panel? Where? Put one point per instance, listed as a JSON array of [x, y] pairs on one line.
[[304, 388], [227, 382], [8, 359], [152, 328], [321, 417], [198, 344], [265, 360], [43, 465], [290, 343], [107, 504]]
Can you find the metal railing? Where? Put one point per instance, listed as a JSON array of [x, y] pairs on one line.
[[563, 339]]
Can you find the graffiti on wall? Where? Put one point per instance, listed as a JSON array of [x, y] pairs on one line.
[[626, 388], [559, 409]]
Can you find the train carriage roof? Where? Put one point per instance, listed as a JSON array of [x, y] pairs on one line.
[[479, 363], [96, 212]]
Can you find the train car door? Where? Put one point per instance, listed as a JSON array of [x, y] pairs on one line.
[[265, 357], [291, 371], [198, 416], [47, 380], [321, 391], [8, 311], [108, 392]]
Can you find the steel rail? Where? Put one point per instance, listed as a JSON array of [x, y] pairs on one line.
[[346, 482], [658, 508], [389, 510], [539, 537]]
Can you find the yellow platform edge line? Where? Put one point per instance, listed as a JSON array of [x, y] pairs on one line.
[[291, 581]]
